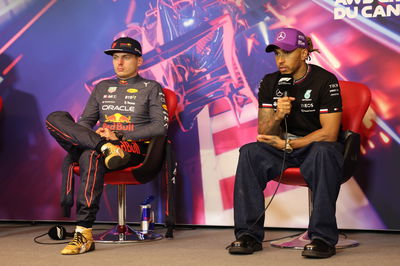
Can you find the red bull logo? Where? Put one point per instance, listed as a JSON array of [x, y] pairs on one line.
[[117, 118], [130, 147], [119, 126], [118, 121]]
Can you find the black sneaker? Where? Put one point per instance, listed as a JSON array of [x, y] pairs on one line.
[[245, 245], [318, 249]]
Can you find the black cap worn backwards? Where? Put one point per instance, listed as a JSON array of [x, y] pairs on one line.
[[125, 45]]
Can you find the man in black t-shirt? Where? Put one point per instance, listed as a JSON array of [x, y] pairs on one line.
[[312, 108], [130, 110]]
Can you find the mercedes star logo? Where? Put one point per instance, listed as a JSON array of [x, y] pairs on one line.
[[281, 36]]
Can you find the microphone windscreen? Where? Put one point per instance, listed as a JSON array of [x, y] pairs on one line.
[[57, 232]]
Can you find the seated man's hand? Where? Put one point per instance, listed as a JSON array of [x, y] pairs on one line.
[[272, 140], [106, 133]]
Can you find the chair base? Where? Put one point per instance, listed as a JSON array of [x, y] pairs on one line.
[[300, 241], [125, 234]]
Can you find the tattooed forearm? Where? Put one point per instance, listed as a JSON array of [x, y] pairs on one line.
[[267, 125]]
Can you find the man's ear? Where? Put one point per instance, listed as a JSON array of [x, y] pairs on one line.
[[304, 54], [140, 61]]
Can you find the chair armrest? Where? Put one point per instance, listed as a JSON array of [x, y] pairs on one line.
[[351, 154]]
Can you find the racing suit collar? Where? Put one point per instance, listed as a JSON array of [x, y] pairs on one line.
[[130, 80]]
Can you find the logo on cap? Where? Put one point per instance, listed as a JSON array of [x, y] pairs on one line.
[[122, 44], [281, 36]]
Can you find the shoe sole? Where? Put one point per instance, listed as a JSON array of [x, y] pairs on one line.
[[92, 247], [243, 250], [115, 162], [315, 254]]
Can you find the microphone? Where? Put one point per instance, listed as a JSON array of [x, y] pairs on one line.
[[59, 232], [285, 83]]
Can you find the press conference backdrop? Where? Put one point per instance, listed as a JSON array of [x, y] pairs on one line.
[[211, 53]]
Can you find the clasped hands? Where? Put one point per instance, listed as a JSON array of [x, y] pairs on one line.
[[106, 133]]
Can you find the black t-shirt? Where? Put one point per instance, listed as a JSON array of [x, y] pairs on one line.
[[316, 93]]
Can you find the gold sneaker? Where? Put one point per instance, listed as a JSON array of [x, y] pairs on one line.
[[82, 242], [115, 156]]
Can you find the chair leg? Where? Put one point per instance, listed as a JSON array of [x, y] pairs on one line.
[[122, 233], [299, 242], [170, 176]]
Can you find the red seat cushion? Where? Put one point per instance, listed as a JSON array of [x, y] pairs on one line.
[[292, 176], [118, 177]]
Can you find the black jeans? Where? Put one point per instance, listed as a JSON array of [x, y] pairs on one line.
[[321, 165]]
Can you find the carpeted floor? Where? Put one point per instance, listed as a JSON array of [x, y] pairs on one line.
[[190, 246]]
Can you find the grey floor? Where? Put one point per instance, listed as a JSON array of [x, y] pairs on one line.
[[190, 246]]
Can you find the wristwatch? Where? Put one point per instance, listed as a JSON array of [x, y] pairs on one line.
[[288, 148]]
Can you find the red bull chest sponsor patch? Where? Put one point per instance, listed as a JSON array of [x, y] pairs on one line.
[[119, 126], [117, 118], [118, 121]]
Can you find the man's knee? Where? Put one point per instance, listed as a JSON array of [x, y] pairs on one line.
[[323, 154], [323, 147], [88, 155], [248, 149], [55, 116]]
